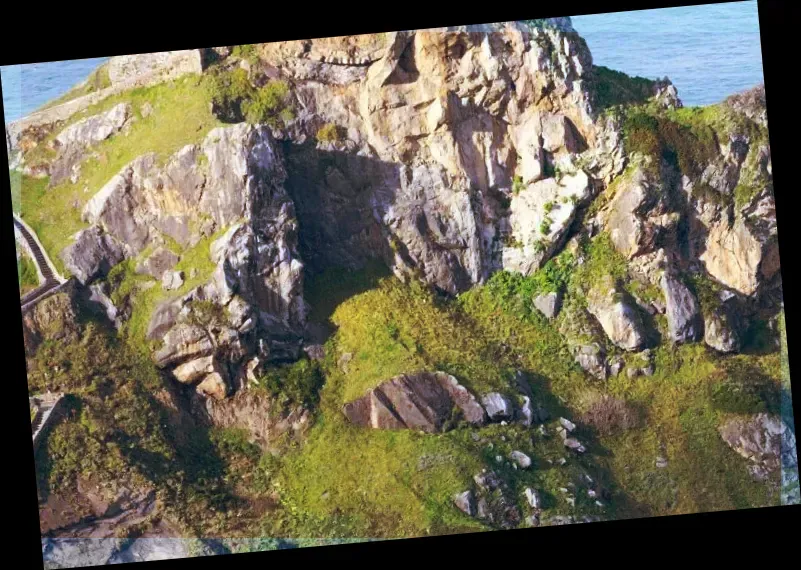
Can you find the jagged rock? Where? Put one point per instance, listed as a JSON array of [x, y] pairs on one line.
[[620, 321], [192, 371], [171, 280], [158, 262], [682, 310], [521, 459], [92, 254], [213, 385], [423, 401], [533, 498], [548, 304], [526, 411], [763, 440], [638, 213], [719, 332], [736, 256], [616, 365], [750, 103], [98, 293], [498, 406], [540, 216], [96, 128], [591, 358], [163, 319], [171, 64], [183, 342], [466, 503]]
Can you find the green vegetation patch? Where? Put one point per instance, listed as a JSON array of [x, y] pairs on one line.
[[614, 88], [180, 116], [26, 273]]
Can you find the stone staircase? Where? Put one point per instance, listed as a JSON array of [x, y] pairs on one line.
[[45, 405]]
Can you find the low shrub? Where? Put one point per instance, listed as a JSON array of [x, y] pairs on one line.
[[610, 415]]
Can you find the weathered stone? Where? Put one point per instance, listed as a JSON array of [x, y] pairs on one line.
[[214, 386], [763, 440], [92, 255], [423, 401], [533, 498], [498, 406], [619, 320], [181, 343], [521, 459], [158, 262], [591, 358], [548, 304], [192, 371], [96, 128], [466, 503], [682, 310], [171, 280], [170, 64], [719, 332]]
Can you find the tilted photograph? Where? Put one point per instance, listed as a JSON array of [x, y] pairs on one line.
[[402, 284]]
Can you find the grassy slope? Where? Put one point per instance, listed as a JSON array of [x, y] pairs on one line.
[[180, 116], [26, 273]]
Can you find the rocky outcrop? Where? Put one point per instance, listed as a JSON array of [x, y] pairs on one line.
[[765, 441], [96, 128], [54, 318], [438, 127], [682, 310], [639, 215], [158, 262], [621, 322], [92, 254], [425, 401], [540, 216], [125, 68]]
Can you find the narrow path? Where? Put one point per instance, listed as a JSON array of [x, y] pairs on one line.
[[45, 405], [51, 279]]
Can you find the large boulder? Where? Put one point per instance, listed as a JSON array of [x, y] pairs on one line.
[[620, 320], [96, 128], [764, 440], [682, 310], [92, 254], [423, 401], [540, 216]]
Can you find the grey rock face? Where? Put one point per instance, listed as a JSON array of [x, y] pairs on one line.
[[620, 321], [466, 503], [682, 310], [161, 260], [498, 406], [521, 459], [96, 128], [171, 280], [423, 401], [92, 255], [720, 331], [548, 304], [761, 439]]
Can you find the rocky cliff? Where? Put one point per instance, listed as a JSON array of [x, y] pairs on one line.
[[553, 222]]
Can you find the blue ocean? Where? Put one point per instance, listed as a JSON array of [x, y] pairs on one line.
[[708, 51]]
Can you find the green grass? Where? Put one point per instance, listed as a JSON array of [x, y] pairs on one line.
[[613, 88], [26, 272], [126, 282], [180, 116]]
